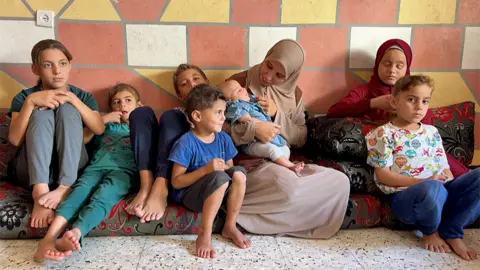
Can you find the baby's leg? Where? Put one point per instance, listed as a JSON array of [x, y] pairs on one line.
[[421, 205], [461, 209], [279, 155], [234, 203], [206, 196], [46, 247]]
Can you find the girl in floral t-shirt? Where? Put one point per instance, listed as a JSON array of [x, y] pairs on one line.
[[410, 163]]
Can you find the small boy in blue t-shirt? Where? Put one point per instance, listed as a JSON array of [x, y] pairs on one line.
[[203, 169]]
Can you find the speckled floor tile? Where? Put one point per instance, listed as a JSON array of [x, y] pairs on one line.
[[107, 253], [447, 260], [380, 248], [473, 234], [5, 244], [265, 253], [172, 252], [317, 254], [20, 258]]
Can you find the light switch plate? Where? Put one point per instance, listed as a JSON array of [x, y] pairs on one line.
[[45, 18]]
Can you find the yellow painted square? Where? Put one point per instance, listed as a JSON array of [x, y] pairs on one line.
[[14, 8], [197, 11], [476, 158], [309, 11], [55, 5], [427, 11], [9, 88], [93, 10]]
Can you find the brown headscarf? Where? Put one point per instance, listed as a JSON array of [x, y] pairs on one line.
[[291, 55]]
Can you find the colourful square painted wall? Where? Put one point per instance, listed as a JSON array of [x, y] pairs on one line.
[[142, 41]]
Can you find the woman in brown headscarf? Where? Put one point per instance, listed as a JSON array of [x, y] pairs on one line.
[[277, 201]]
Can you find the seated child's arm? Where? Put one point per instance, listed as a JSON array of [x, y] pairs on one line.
[[393, 179], [182, 179], [113, 117], [19, 124], [448, 173]]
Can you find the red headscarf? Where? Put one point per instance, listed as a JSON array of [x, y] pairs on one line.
[[375, 85]]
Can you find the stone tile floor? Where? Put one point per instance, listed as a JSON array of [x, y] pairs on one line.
[[368, 249]]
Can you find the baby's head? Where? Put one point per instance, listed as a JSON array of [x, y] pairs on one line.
[[232, 90], [124, 98], [205, 108], [411, 97]]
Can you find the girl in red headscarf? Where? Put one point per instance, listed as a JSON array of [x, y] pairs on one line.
[[371, 101]]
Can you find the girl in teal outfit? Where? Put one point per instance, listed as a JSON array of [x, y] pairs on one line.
[[111, 175]]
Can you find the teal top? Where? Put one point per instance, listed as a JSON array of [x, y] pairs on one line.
[[113, 150], [85, 97]]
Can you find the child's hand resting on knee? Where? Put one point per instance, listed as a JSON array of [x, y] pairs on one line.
[[216, 165]]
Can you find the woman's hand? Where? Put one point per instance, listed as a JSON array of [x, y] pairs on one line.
[[268, 105], [266, 131], [383, 103]]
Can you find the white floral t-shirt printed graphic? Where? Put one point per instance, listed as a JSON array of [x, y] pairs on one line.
[[417, 153]]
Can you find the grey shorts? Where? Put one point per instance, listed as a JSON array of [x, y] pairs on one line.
[[196, 194]]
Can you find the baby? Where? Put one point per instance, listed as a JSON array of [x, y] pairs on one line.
[[241, 107]]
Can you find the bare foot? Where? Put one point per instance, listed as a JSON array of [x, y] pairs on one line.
[[154, 208], [435, 243], [70, 241], [46, 251], [137, 203], [236, 236], [204, 246], [462, 250], [53, 198], [298, 167], [41, 216]]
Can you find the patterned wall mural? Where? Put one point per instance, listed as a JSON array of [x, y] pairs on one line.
[[142, 41]]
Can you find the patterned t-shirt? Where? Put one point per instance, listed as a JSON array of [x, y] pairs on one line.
[[411, 153]]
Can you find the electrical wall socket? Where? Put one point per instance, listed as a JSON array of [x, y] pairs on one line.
[[45, 18]]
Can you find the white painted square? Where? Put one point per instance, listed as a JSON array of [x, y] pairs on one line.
[[364, 43], [261, 39], [17, 39], [156, 45], [471, 49]]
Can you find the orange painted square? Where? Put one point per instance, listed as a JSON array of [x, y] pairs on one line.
[[323, 88], [325, 46], [256, 11], [93, 43], [141, 10], [469, 11], [437, 47], [368, 11], [218, 46], [473, 80]]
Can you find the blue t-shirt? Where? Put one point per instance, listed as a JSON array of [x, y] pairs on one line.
[[192, 153]]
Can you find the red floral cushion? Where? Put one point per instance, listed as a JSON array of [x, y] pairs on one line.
[[455, 124]]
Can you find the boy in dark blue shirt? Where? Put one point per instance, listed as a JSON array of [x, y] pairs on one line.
[[203, 169]]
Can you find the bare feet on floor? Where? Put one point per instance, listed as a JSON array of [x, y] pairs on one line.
[[435, 243], [46, 251], [297, 167], [236, 236], [53, 198], [154, 208], [70, 241], [41, 216], [137, 203], [204, 248], [465, 252]]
